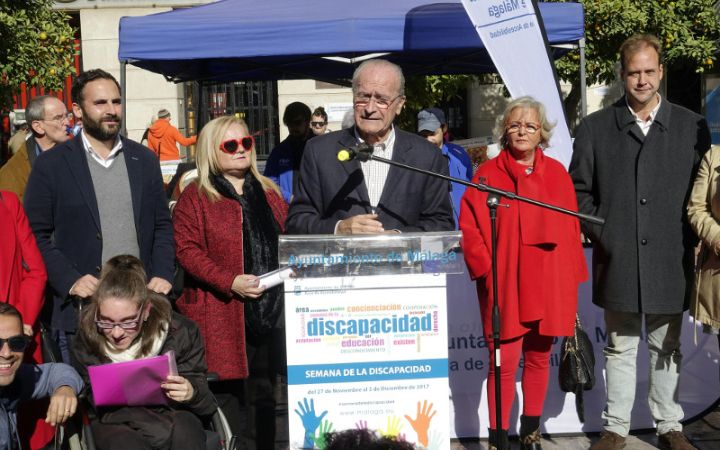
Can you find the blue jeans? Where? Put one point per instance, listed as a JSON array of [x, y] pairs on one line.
[[663, 343]]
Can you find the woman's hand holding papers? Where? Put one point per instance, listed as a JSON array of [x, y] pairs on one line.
[[178, 388], [247, 286]]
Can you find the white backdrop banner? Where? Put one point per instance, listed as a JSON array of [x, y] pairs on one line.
[[510, 32], [468, 366]]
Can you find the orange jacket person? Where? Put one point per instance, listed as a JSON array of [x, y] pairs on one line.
[[163, 138]]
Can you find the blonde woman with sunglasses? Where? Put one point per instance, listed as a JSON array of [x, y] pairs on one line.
[[227, 225]]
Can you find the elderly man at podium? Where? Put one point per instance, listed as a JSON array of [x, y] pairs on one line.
[[371, 197]]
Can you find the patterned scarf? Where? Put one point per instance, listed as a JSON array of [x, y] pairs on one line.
[[260, 252]]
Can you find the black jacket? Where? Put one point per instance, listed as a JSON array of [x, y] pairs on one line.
[[184, 338], [63, 213], [330, 190], [643, 255]]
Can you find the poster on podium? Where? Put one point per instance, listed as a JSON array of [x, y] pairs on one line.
[[368, 349]]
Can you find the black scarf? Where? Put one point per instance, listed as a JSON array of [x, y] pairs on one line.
[[260, 252]]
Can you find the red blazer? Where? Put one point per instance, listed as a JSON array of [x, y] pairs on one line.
[[209, 246], [22, 271], [540, 256]]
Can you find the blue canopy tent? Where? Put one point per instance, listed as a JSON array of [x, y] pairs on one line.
[[250, 40], [319, 39]]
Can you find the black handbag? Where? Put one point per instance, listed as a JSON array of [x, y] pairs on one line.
[[577, 366]]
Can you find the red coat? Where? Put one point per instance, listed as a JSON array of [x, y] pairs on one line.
[[209, 246], [21, 285], [540, 256]]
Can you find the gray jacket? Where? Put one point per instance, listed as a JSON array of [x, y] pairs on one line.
[[31, 382], [643, 255]]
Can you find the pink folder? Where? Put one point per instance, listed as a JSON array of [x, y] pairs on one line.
[[132, 383]]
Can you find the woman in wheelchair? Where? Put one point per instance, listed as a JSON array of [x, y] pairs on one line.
[[126, 321]]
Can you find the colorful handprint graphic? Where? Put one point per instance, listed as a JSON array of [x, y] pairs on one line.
[[310, 421], [421, 423]]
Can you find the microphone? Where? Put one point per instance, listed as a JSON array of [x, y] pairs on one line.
[[361, 151]]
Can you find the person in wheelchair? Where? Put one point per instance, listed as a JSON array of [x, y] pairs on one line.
[[126, 321], [20, 382]]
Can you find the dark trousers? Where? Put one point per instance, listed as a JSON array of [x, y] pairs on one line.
[[187, 434], [250, 405], [64, 341]]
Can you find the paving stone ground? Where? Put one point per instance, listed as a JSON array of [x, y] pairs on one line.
[[704, 433]]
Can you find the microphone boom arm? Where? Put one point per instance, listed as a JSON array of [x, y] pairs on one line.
[[487, 188]]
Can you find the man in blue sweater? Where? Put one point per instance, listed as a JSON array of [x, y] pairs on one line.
[[433, 126], [19, 382], [283, 163]]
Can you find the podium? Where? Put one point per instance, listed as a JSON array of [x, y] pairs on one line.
[[367, 341]]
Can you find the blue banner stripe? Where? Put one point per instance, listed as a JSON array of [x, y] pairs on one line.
[[520, 16], [368, 371]]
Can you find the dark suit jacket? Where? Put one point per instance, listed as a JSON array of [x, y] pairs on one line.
[[330, 190], [643, 255], [62, 209]]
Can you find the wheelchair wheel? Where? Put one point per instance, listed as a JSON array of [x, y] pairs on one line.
[[220, 425]]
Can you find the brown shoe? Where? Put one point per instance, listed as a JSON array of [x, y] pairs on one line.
[[674, 440], [609, 441]]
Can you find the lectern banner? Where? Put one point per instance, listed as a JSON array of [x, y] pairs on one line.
[[368, 351]]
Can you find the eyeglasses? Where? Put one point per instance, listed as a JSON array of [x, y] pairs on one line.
[[232, 146], [530, 128], [318, 124], [16, 343], [126, 325], [60, 118], [361, 100]]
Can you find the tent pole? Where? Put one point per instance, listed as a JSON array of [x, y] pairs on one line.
[[123, 97], [583, 80], [200, 106]]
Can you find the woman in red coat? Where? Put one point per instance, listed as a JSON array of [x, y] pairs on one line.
[[22, 284], [540, 261], [22, 271], [227, 225]]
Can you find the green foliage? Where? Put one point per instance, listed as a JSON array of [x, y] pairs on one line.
[[428, 91], [689, 31], [36, 47]]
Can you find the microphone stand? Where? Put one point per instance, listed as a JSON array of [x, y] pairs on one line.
[[493, 201]]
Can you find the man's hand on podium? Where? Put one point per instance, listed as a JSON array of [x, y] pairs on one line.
[[361, 224]]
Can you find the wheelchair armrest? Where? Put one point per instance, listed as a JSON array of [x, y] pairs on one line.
[[212, 376]]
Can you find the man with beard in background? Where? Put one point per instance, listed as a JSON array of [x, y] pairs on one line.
[[93, 197]]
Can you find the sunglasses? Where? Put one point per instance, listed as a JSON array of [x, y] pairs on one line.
[[318, 124], [232, 146], [126, 325], [16, 343]]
